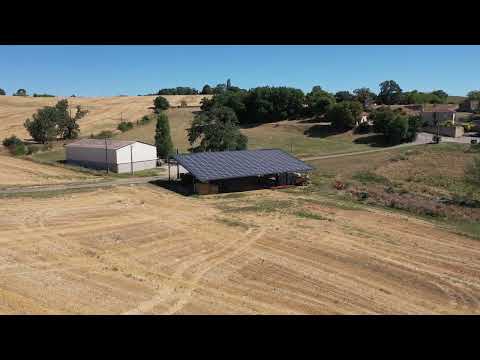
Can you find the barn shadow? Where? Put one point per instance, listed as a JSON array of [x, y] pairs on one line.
[[322, 131], [174, 186], [374, 140]]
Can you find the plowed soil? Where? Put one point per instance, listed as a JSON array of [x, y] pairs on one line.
[[145, 250]]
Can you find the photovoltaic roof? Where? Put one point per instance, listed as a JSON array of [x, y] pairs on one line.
[[206, 166]]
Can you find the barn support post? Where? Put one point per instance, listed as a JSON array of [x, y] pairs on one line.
[[106, 156], [131, 158], [178, 168], [168, 160]]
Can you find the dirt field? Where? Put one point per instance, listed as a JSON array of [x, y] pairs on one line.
[[143, 249], [104, 112], [16, 171]]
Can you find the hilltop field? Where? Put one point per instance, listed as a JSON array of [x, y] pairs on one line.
[[104, 112]]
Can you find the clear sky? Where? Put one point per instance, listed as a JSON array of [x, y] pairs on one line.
[[132, 70]]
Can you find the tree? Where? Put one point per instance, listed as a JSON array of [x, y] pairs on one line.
[[216, 130], [219, 89], [125, 126], [344, 96], [345, 114], [207, 90], [20, 92], [229, 84], [474, 95], [364, 95], [2, 92], [67, 126], [163, 139], [15, 145], [441, 94], [390, 92], [160, 103], [397, 130], [318, 101], [52, 121], [43, 127]]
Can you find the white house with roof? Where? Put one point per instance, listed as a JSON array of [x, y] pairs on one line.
[[120, 156]]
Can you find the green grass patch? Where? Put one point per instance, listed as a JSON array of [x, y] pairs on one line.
[[366, 176]]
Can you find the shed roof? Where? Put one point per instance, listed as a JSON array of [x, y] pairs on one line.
[[206, 166], [100, 143]]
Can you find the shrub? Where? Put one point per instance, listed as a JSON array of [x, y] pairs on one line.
[[11, 141], [15, 145], [105, 134], [144, 120], [125, 126], [468, 127], [345, 114], [472, 172]]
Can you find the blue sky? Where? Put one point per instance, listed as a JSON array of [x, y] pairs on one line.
[[132, 70]]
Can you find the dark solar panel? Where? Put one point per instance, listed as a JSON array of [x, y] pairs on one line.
[[206, 166]]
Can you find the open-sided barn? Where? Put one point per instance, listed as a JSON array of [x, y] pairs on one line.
[[224, 171], [120, 156]]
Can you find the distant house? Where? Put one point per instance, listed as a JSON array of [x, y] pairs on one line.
[[119, 155], [470, 105], [437, 113]]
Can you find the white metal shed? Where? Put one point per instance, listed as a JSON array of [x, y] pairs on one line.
[[121, 155]]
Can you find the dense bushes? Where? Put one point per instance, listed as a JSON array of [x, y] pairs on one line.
[[15, 145], [125, 126], [344, 115], [318, 102], [261, 104], [179, 90], [396, 126], [43, 95], [160, 104]]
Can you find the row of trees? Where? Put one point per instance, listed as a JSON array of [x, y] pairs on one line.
[[23, 92], [51, 122]]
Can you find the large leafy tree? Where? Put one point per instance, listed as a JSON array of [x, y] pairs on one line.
[[395, 125], [474, 95], [67, 126], [216, 130], [364, 95], [345, 114], [20, 92], [318, 101], [160, 104], [52, 121], [43, 127], [390, 92], [163, 139], [344, 96], [2, 92], [207, 90], [441, 94]]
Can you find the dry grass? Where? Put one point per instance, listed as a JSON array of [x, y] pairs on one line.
[[144, 250], [104, 112]]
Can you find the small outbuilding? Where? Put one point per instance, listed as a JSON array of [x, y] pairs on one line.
[[119, 156], [225, 171]]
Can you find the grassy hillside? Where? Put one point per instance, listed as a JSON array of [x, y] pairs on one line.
[[456, 99], [104, 112], [302, 138]]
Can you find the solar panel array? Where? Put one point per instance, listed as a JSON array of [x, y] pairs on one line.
[[206, 166]]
